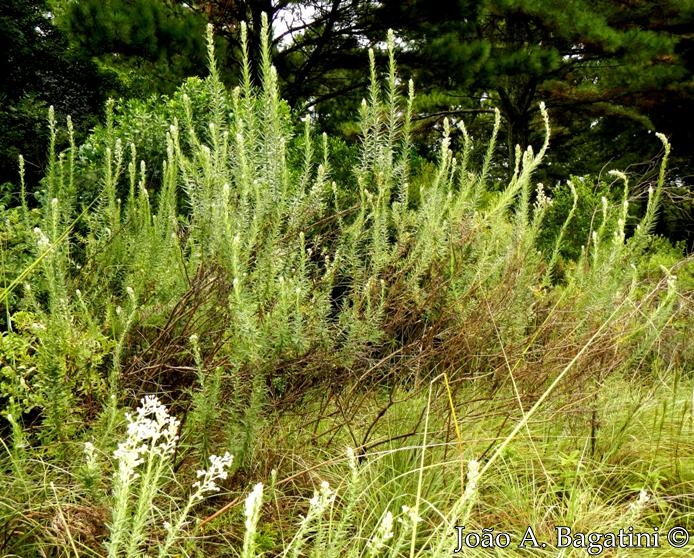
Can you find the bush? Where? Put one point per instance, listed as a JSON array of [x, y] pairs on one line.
[[243, 276]]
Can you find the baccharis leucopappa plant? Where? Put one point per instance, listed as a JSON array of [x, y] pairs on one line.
[[142, 466]]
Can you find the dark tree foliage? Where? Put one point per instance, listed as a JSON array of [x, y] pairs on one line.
[[152, 45], [162, 41], [39, 69], [595, 63], [318, 45]]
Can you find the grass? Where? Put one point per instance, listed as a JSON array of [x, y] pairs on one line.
[[237, 356]]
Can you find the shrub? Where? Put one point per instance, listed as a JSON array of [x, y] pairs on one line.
[[244, 274]]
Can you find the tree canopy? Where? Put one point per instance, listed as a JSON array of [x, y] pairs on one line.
[[599, 66], [39, 69]]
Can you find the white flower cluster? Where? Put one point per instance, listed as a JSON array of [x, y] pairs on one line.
[[640, 504], [218, 470], [252, 507], [90, 456], [353, 463], [42, 241], [383, 534], [542, 200], [409, 515], [323, 498], [156, 435]]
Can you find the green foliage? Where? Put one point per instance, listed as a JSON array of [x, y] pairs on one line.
[[40, 70], [19, 367], [585, 218], [603, 67], [17, 242], [243, 283], [150, 45]]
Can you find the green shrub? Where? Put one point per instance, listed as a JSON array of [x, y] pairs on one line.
[[240, 273]]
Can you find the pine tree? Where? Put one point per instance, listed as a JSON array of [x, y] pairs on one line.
[[592, 62], [152, 45]]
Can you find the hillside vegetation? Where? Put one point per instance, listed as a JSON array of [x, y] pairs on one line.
[[225, 336]]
